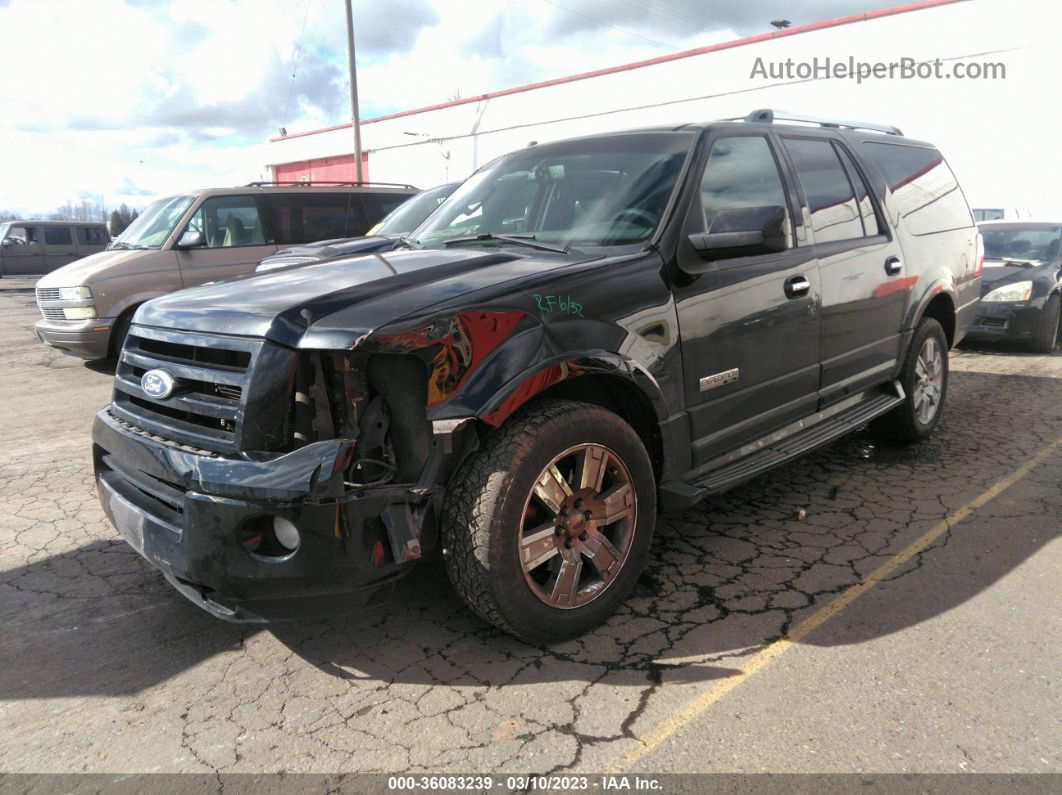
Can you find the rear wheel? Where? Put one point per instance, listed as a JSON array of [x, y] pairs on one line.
[[1044, 341], [924, 379], [547, 526]]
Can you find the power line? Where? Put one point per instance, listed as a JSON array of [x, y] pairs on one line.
[[295, 65], [610, 25]]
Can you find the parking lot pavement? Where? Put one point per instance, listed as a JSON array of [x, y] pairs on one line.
[[948, 663]]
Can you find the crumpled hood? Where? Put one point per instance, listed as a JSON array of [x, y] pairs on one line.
[[94, 267], [334, 304]]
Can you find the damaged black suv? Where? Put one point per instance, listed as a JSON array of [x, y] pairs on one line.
[[585, 332]]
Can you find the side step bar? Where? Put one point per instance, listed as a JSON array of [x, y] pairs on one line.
[[781, 446]]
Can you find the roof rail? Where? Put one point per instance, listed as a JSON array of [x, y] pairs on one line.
[[767, 115], [311, 183]]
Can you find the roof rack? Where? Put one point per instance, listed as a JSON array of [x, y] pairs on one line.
[[311, 183], [767, 115]]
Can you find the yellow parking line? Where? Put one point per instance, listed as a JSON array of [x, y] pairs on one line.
[[762, 659]]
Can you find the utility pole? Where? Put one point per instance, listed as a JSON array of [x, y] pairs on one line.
[[355, 121]]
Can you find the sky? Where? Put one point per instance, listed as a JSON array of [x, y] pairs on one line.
[[132, 99]]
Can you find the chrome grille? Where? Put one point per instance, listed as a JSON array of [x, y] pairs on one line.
[[212, 375], [51, 313], [47, 293]]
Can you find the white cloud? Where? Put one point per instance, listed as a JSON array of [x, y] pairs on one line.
[[156, 96]]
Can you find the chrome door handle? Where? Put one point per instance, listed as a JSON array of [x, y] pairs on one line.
[[893, 265], [796, 286]]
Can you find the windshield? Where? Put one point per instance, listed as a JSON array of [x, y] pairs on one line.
[[1022, 243], [153, 226], [411, 213], [605, 191]]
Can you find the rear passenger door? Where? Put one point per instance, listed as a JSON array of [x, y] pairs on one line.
[[235, 238], [749, 325], [863, 281]]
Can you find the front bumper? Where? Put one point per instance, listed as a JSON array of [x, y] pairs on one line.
[[190, 514], [1006, 320], [89, 339]]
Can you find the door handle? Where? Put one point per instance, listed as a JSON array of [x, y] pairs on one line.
[[796, 286], [893, 265]]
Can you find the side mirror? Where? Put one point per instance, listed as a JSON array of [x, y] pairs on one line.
[[742, 232], [7, 241], [190, 239]]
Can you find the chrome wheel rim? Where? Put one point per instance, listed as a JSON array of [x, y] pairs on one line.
[[577, 527], [929, 380]]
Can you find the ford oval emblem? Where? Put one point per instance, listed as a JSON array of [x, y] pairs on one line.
[[157, 384]]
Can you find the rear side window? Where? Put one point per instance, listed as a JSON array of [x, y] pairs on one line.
[[926, 192], [58, 236], [309, 217], [379, 205], [866, 207], [90, 235], [831, 198]]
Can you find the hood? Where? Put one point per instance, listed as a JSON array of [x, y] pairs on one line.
[[94, 268], [335, 303], [330, 249], [996, 274]]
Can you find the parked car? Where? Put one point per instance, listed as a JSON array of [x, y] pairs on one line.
[[584, 331], [1021, 284], [197, 237], [382, 237], [32, 247]]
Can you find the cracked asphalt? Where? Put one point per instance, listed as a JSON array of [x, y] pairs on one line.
[[950, 664]]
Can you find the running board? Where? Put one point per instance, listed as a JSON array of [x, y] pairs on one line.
[[781, 446]]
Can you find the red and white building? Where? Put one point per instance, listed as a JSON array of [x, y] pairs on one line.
[[999, 133]]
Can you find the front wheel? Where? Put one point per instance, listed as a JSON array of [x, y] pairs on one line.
[[924, 379], [1047, 334], [548, 525]]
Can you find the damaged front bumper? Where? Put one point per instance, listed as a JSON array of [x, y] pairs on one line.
[[199, 517]]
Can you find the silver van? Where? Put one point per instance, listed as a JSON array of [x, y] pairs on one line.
[[31, 247], [203, 236]]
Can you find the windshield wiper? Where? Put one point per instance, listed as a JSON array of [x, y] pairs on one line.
[[1024, 262], [523, 240], [408, 242], [118, 244]]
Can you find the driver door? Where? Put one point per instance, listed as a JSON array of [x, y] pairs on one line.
[[749, 324], [234, 240]]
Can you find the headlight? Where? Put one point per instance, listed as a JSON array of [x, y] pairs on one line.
[[75, 294], [79, 312], [1017, 291]]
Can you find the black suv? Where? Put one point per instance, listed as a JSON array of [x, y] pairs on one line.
[[584, 332]]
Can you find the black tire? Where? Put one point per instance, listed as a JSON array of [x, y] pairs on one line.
[[119, 331], [905, 423], [1046, 337], [487, 506]]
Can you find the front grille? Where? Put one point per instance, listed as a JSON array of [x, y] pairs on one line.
[[212, 395], [50, 313], [47, 293]]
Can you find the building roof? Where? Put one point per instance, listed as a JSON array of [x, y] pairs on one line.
[[726, 45]]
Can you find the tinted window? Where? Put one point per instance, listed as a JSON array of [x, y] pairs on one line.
[[926, 193], [58, 236], [228, 222], [90, 235], [741, 172], [831, 200], [379, 205], [308, 217], [866, 207]]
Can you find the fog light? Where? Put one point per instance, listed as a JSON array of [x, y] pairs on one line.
[[286, 533]]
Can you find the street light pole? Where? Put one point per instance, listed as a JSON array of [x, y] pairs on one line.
[[355, 122]]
